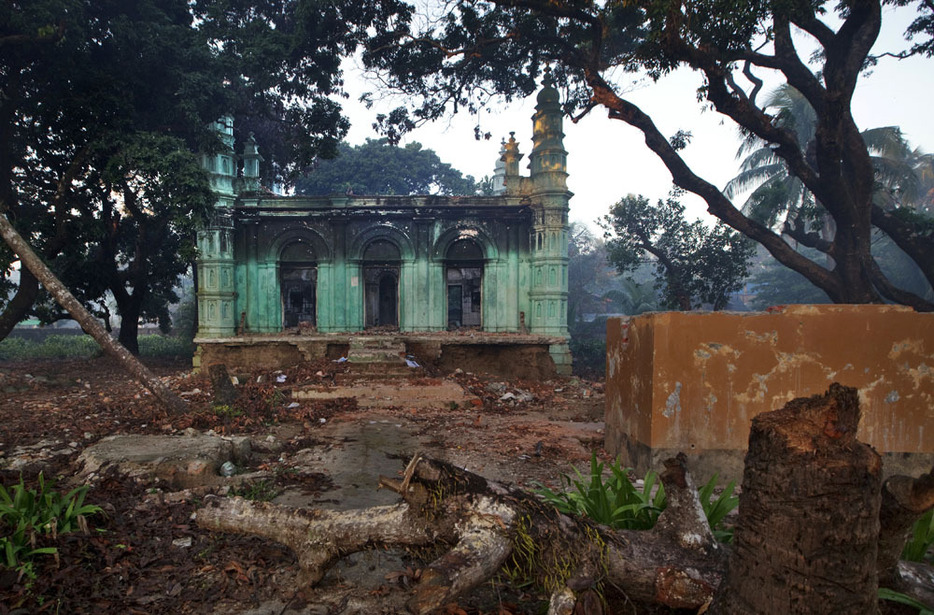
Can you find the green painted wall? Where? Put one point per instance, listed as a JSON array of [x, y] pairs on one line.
[[521, 232]]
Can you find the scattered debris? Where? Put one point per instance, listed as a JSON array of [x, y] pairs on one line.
[[135, 568]]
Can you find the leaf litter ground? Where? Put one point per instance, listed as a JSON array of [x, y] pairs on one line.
[[146, 555]]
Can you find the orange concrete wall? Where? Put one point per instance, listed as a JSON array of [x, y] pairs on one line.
[[693, 381]]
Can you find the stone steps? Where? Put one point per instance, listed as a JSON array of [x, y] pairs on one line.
[[377, 357]]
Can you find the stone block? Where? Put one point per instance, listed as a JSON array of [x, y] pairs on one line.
[[691, 382]]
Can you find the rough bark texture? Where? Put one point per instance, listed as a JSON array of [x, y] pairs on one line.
[[904, 499], [491, 526], [61, 294], [806, 540]]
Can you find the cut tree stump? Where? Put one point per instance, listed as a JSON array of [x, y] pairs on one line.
[[225, 394], [806, 539], [489, 526], [809, 538]]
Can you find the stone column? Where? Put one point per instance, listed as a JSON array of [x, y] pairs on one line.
[[216, 297], [550, 198]]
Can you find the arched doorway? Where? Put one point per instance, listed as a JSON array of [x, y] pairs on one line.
[[381, 284], [298, 280], [464, 274]]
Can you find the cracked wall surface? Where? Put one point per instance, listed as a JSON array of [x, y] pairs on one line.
[[693, 381], [269, 264]]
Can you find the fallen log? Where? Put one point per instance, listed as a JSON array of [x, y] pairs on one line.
[[809, 539], [491, 526]]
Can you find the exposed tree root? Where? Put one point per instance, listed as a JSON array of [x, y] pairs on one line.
[[493, 527], [807, 540]]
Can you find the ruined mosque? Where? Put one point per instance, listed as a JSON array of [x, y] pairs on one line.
[[448, 279]]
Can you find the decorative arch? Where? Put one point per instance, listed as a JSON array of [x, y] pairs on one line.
[[481, 237], [387, 232], [464, 252], [297, 253], [313, 239], [381, 251]]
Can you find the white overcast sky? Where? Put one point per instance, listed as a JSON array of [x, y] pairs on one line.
[[608, 160]]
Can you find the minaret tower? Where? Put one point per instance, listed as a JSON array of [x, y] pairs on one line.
[[216, 309], [550, 198]]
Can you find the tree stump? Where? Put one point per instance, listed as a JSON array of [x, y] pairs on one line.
[[225, 394], [488, 526], [807, 537]]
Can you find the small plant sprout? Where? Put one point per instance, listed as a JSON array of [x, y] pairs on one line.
[[26, 514], [618, 502]]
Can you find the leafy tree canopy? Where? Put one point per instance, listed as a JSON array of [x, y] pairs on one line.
[[102, 103], [376, 167], [695, 266], [476, 50]]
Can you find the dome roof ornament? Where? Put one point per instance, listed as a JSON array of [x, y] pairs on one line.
[[548, 81], [548, 94]]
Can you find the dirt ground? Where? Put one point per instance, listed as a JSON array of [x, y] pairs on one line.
[[146, 555]]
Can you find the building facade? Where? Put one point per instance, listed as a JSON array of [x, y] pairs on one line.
[[343, 264]]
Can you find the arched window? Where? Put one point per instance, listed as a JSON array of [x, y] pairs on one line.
[[382, 251], [381, 284], [298, 280], [464, 274]]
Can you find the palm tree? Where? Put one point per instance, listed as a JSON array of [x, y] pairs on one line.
[[632, 298], [778, 198], [904, 179]]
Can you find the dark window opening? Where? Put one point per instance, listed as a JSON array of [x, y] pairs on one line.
[[381, 296], [299, 294], [464, 284]]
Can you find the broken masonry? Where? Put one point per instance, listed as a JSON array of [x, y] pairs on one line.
[[346, 263]]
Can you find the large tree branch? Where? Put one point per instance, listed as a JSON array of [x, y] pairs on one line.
[[717, 204], [726, 98], [846, 57], [915, 242], [64, 297], [798, 74], [896, 294], [808, 21], [491, 524]]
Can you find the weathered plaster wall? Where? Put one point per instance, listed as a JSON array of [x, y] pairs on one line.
[[509, 356], [693, 381]]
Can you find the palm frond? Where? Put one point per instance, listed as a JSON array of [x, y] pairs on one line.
[[752, 178]]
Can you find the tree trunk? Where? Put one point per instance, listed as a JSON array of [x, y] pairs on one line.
[[492, 527], [806, 540], [809, 537], [129, 323], [170, 400], [18, 306]]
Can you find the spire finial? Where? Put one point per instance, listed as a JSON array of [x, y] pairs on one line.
[[548, 81]]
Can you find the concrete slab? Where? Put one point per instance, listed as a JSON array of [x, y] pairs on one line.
[[181, 461], [372, 395]]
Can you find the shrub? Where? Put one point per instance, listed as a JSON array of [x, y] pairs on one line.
[[52, 347], [26, 514], [618, 503], [921, 539], [900, 598], [717, 507], [165, 346], [84, 347], [258, 491]]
